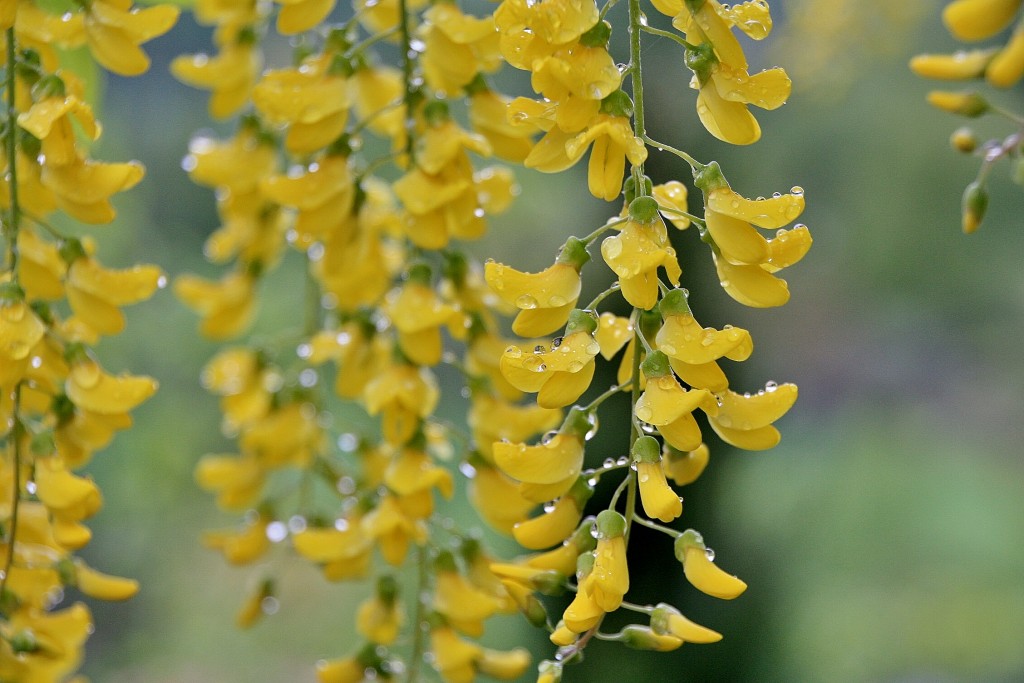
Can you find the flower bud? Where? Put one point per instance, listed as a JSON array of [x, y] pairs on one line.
[[974, 205], [963, 140], [969, 104]]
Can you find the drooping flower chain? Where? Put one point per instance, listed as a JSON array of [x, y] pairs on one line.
[[58, 406], [392, 299], [999, 66]]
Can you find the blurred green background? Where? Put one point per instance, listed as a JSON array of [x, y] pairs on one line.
[[881, 539]]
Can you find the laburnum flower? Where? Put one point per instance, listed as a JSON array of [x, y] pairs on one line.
[[380, 617], [312, 100], [694, 350], [96, 293], [559, 374], [608, 581], [297, 16], [457, 47], [668, 406], [92, 389], [529, 31], [245, 381], [40, 645], [641, 637], [230, 74], [730, 218], [377, 98], [725, 87], [613, 143], [413, 475], [83, 187], [365, 665], [496, 497], [98, 585], [244, 545], [114, 30], [458, 660], [226, 307], [392, 529], [463, 605], [322, 192], [563, 559], [701, 570], [544, 299], [344, 551], [356, 350], [239, 164], [636, 253], [667, 620], [684, 467], [971, 20], [745, 420], [558, 521], [20, 330], [417, 314], [255, 604], [548, 469], [488, 116], [236, 480], [402, 394], [493, 419], [50, 119], [658, 499]]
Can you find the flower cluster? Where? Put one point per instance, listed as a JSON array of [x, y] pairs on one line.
[[1000, 66], [58, 405], [370, 178]]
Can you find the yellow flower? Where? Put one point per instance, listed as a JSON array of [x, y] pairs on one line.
[[979, 19], [608, 582], [671, 198], [658, 498], [380, 617], [635, 254], [102, 586], [50, 120], [230, 74], [41, 269], [694, 350], [641, 637], [504, 665], [1007, 67], [323, 193], [114, 31], [552, 465], [701, 570], [402, 394], [392, 530], [92, 389], [557, 522], [287, 435], [751, 285], [730, 216], [666, 620], [344, 550], [614, 142], [745, 421], [254, 606], [20, 327], [544, 299], [297, 16], [96, 293], [417, 314], [311, 99], [668, 406], [961, 65], [227, 307], [244, 545], [240, 164], [237, 481], [492, 419], [497, 498], [684, 468], [454, 658], [464, 606], [559, 373], [412, 471], [55, 640], [83, 187], [487, 114], [457, 47]]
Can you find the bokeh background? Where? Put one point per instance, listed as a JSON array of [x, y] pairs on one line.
[[882, 538]]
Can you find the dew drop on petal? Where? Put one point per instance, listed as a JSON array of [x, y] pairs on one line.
[[710, 554], [526, 302]]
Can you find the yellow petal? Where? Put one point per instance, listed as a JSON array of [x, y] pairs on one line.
[[770, 213], [549, 462], [104, 586], [751, 285], [759, 439], [978, 19], [708, 577], [550, 528]]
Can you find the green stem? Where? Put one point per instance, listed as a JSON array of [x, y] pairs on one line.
[[419, 643], [657, 527], [615, 286], [636, 76], [694, 164], [407, 76], [667, 34], [603, 397], [11, 230], [589, 239]]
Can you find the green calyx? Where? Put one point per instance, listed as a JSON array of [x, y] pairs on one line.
[[610, 524], [656, 364], [387, 589], [643, 210], [11, 293], [646, 449], [685, 540], [574, 253], [629, 189], [436, 112], [675, 303], [420, 273], [71, 250], [578, 423], [598, 35], [48, 86], [701, 59], [709, 178], [581, 321], [617, 104], [581, 492]]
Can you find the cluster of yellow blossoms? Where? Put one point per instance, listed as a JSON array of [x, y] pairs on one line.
[[369, 174], [1000, 66], [58, 406]]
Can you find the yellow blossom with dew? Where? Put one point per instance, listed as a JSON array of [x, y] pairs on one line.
[[635, 254], [114, 30], [701, 570], [558, 522], [668, 406], [657, 497], [667, 620], [608, 581]]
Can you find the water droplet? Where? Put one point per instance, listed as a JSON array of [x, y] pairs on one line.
[[555, 301], [308, 378], [468, 471], [513, 352], [648, 428], [161, 282], [36, 362], [608, 463], [276, 532], [556, 342], [304, 351], [724, 420], [30, 488], [622, 461], [549, 507], [644, 413], [594, 425], [611, 247], [547, 438], [644, 478], [710, 554], [797, 190], [771, 386], [526, 302]]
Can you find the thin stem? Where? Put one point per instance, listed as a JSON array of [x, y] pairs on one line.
[[377, 37], [407, 77], [11, 230], [636, 21], [614, 287], [678, 152], [419, 633], [605, 396], [667, 34], [657, 527], [589, 239]]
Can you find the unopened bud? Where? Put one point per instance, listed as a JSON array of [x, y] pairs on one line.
[[963, 140], [974, 204], [969, 104]]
